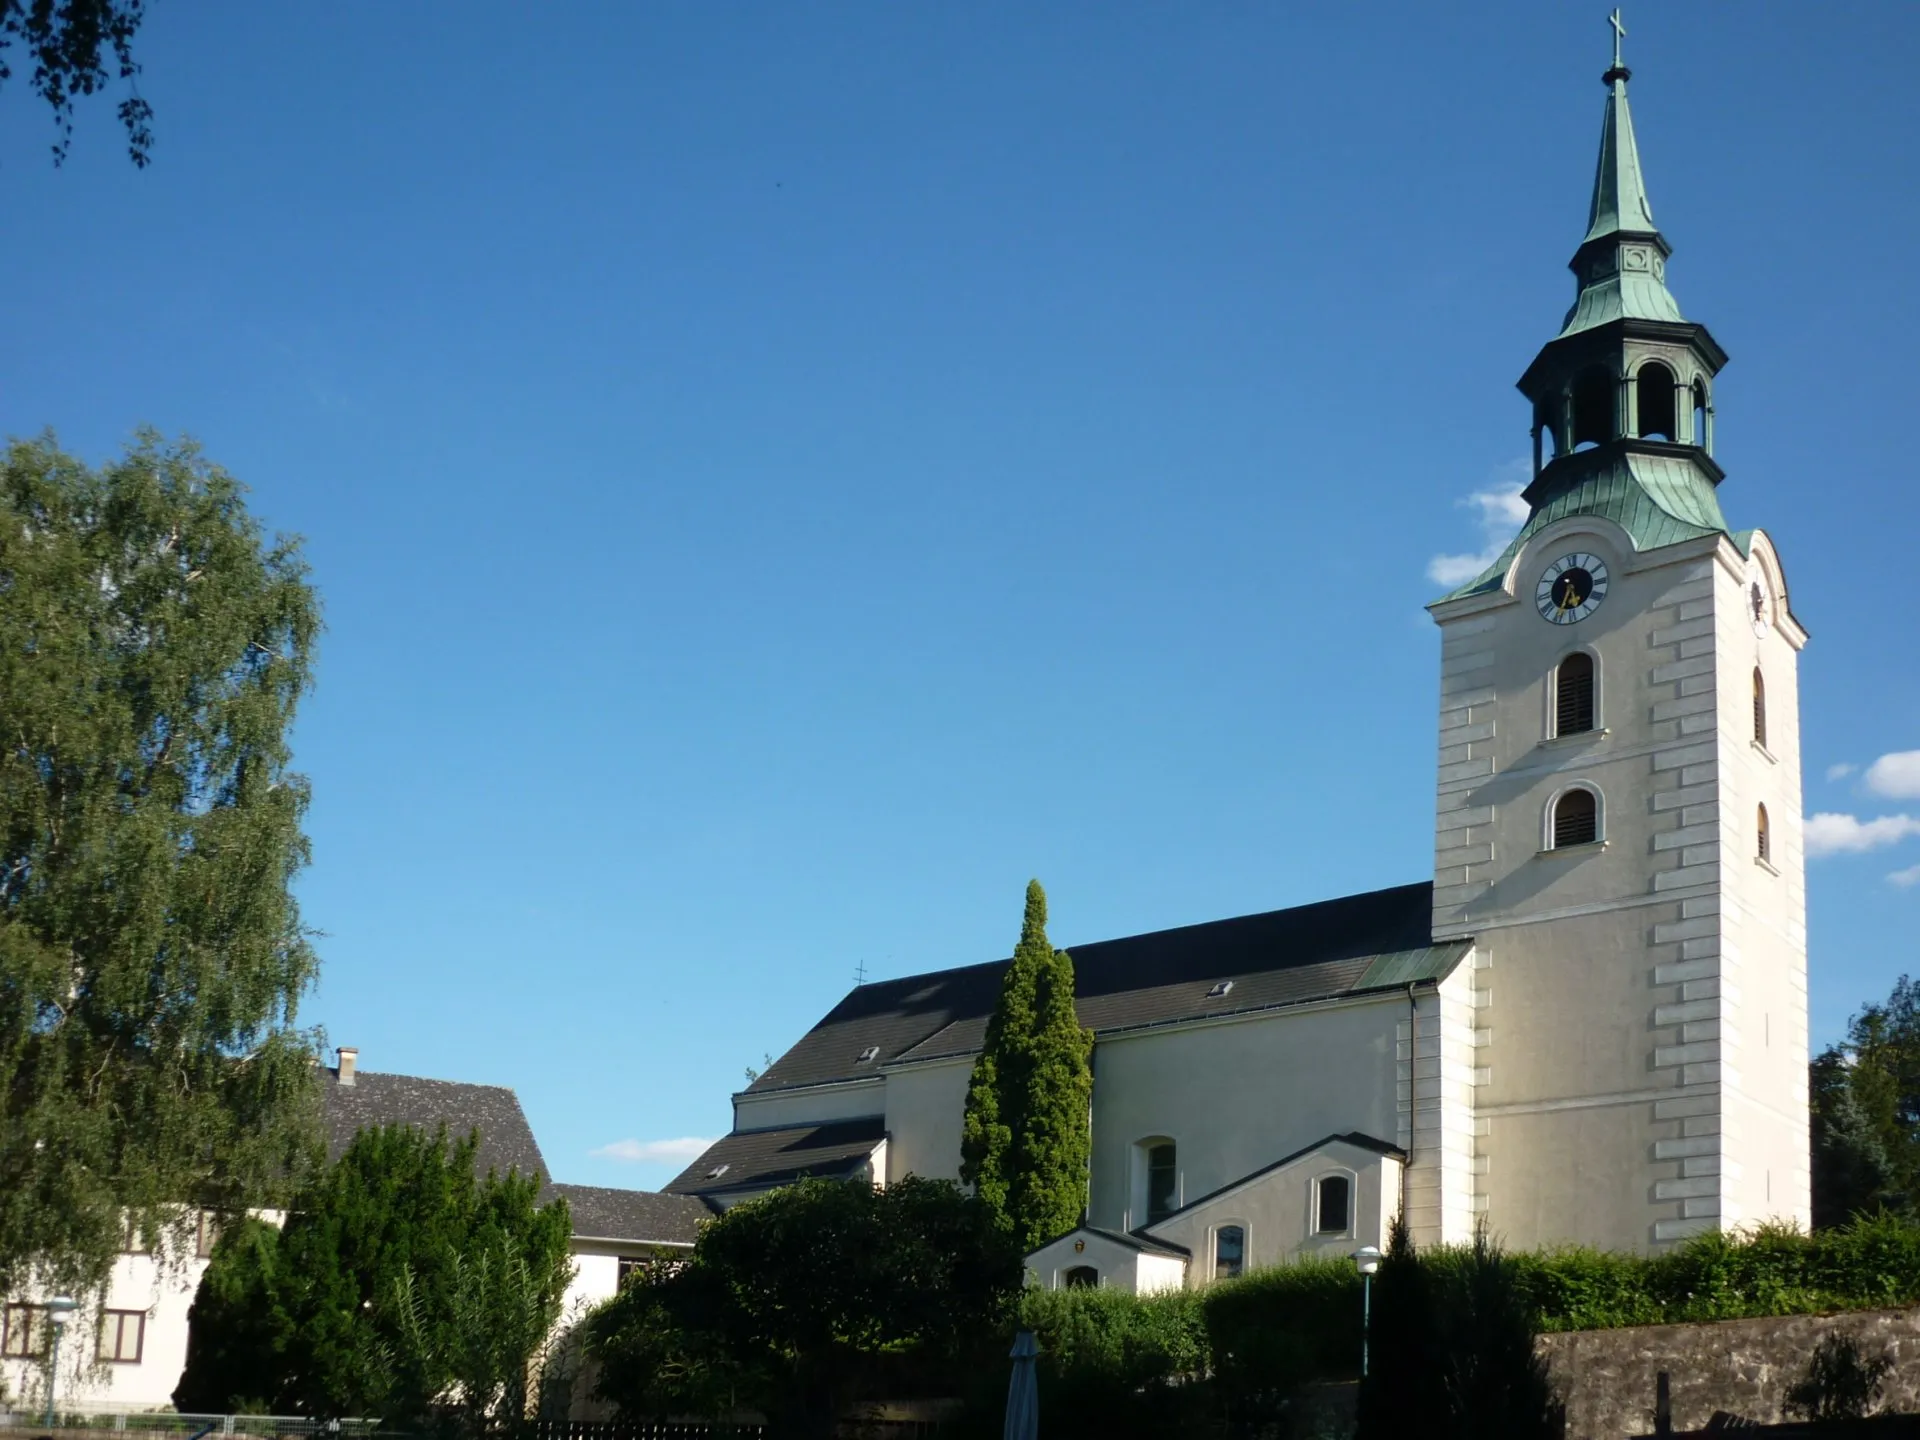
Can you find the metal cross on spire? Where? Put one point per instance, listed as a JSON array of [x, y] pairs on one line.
[[1619, 34]]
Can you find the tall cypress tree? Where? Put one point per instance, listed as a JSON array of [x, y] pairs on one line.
[[1025, 1142]]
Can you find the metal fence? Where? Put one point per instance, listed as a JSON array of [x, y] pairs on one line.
[[724, 1430], [212, 1427]]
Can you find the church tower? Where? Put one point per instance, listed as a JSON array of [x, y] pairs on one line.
[[1619, 817]]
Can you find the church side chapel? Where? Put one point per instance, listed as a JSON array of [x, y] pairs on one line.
[[1589, 1026]]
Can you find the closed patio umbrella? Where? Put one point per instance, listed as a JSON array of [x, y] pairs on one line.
[[1023, 1391]]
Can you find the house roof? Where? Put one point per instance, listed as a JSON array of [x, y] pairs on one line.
[[1138, 1242], [760, 1159], [1352, 1137], [1378, 940], [506, 1140], [644, 1216]]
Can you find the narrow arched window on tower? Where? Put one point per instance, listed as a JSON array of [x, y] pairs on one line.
[[1576, 819], [1593, 397], [1759, 708], [1762, 840], [1700, 414], [1654, 392], [1573, 708]]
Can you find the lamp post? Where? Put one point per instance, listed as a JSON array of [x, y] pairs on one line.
[[1366, 1260], [58, 1309]]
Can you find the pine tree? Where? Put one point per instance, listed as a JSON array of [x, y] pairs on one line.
[[1025, 1142]]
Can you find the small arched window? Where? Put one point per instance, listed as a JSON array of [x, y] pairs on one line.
[[1759, 708], [1333, 1204], [1229, 1251], [1546, 436], [1762, 838], [1163, 1181], [1700, 436], [1081, 1277], [1593, 401], [1573, 707], [1654, 394], [1576, 819]]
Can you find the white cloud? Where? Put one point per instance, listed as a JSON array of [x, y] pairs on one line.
[[1830, 834], [1502, 512], [1842, 770], [1896, 776], [655, 1152], [1906, 879]]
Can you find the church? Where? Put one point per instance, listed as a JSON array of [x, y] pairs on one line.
[[1588, 1026]]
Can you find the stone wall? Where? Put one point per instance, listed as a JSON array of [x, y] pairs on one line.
[[1744, 1367]]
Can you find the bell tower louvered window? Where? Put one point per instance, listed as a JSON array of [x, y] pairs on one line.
[[1762, 838], [1576, 819], [1573, 709], [1759, 708]]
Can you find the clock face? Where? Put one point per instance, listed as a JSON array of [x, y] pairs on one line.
[[1571, 588]]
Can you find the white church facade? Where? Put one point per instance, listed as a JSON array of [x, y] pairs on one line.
[[1589, 1026]]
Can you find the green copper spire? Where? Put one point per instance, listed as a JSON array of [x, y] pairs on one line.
[[1622, 263]]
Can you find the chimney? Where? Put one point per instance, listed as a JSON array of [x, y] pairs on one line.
[[349, 1063]]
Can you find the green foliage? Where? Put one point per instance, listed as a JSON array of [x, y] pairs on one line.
[[1838, 1385], [1024, 1143], [1111, 1363], [153, 647], [807, 1298], [1872, 1262], [74, 44], [1865, 1097], [1455, 1358], [400, 1282], [1276, 1330]]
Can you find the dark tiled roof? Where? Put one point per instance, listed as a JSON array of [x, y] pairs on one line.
[[601, 1213], [1352, 1137], [757, 1159], [1143, 1243], [506, 1140], [1282, 957]]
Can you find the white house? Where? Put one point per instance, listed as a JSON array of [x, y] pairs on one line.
[[125, 1349], [1588, 1025]]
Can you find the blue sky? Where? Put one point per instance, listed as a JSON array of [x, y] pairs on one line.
[[780, 476]]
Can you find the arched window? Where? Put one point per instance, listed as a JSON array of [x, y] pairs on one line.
[[1229, 1251], [1333, 1204], [1759, 708], [1573, 707], [1762, 840], [1080, 1277], [1576, 819], [1163, 1181], [1700, 436], [1593, 399], [1654, 392]]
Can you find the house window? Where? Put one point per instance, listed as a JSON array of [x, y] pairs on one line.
[[123, 1336], [1763, 842], [25, 1335], [206, 1234], [133, 1239], [1759, 708], [1573, 708], [1229, 1251], [1576, 819], [1081, 1277], [1334, 1205], [1163, 1181], [632, 1267]]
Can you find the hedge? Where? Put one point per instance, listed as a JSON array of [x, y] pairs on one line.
[[1270, 1331]]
